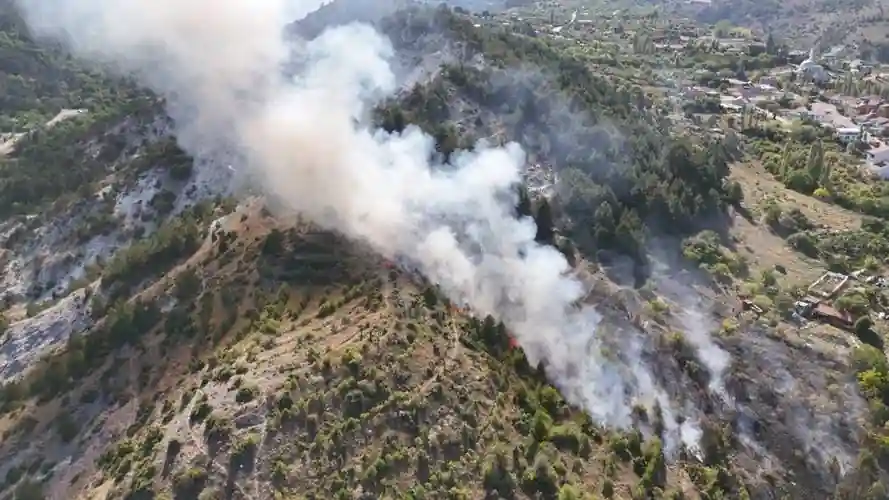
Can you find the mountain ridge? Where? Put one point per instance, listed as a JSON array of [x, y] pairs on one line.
[[238, 351]]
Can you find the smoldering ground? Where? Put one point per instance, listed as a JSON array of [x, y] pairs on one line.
[[793, 406], [219, 64]]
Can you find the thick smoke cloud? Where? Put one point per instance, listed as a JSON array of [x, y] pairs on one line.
[[219, 65]]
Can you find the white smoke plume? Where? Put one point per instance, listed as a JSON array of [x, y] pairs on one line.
[[711, 355], [219, 65]]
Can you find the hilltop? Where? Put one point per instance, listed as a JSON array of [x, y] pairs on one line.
[[859, 26], [170, 334]]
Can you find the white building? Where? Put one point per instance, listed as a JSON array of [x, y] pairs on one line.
[[880, 170], [811, 70], [848, 134], [878, 157]]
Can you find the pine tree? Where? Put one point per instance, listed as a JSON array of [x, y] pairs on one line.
[[523, 208], [824, 179], [785, 161], [771, 47], [815, 161], [604, 223], [741, 70], [545, 224], [732, 144], [849, 87]]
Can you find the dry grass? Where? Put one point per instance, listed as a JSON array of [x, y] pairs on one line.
[[759, 186], [764, 249]]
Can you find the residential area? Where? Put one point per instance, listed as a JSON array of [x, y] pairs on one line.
[[737, 74], [844, 96]]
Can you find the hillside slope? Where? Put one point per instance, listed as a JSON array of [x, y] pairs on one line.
[[172, 337], [285, 356], [275, 353], [802, 24], [296, 359]]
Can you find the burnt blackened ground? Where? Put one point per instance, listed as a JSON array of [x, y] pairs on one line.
[[793, 417], [797, 408]]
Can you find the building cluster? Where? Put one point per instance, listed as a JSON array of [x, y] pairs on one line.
[[857, 119], [797, 91], [816, 304]]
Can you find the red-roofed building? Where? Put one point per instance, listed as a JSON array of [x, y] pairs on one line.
[[834, 317]]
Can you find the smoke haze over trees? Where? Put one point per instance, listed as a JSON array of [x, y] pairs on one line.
[[412, 136]]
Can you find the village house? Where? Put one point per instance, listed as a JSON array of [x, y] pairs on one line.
[[769, 80], [832, 316], [834, 98], [874, 125], [858, 67], [845, 128], [732, 100], [877, 159], [869, 104], [848, 135], [797, 113], [697, 92], [797, 56], [880, 78], [834, 56], [731, 108], [752, 91], [880, 170]]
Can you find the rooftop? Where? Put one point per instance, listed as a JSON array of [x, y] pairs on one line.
[[827, 311], [829, 116]]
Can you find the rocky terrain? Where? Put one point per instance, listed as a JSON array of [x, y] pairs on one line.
[[175, 330]]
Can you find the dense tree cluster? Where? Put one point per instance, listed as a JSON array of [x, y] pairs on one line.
[[53, 163], [809, 159], [621, 171], [176, 239], [790, 18], [37, 81]]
